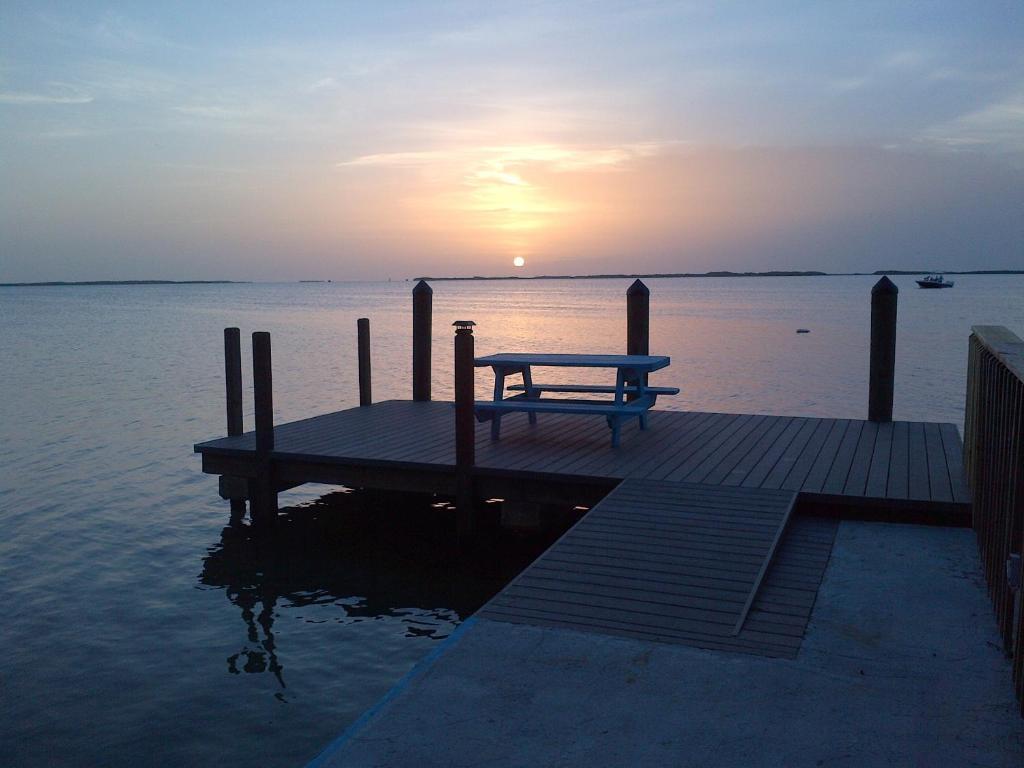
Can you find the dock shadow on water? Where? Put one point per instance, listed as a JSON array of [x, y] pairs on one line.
[[371, 555]]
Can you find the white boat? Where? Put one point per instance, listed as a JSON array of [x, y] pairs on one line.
[[935, 281]]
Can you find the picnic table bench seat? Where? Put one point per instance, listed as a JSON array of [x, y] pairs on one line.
[[488, 410], [600, 389]]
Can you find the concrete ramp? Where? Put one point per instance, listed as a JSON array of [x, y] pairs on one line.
[[676, 562]]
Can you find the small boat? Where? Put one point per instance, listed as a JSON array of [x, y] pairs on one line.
[[935, 281]]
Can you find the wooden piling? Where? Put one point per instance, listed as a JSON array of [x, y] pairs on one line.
[[882, 374], [638, 322], [233, 379], [422, 308], [363, 343], [264, 490], [233, 395], [465, 430]]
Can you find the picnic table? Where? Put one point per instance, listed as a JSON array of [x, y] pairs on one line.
[[633, 398]]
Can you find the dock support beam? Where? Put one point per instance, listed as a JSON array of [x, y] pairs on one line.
[[422, 308], [882, 376], [363, 342], [465, 430], [264, 489], [233, 393], [638, 323]]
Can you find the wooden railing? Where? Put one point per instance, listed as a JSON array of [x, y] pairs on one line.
[[994, 459]]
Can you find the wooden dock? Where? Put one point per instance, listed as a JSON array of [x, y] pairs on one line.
[[898, 466]]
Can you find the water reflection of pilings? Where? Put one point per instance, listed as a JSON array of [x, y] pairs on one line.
[[255, 661], [371, 554]]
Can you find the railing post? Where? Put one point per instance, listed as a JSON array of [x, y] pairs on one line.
[[465, 430], [233, 393], [264, 496], [363, 343], [638, 322], [422, 301], [882, 375]]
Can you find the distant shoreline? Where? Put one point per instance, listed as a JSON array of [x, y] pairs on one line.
[[119, 282], [617, 276], [773, 273]]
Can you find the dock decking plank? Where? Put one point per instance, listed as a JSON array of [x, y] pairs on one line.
[[952, 446], [899, 462], [938, 473], [917, 461]]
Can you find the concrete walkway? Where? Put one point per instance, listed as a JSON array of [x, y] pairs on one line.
[[900, 667]]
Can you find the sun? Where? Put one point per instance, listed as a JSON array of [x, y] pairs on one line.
[[518, 261]]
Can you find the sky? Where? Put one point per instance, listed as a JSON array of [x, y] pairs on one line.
[[373, 140]]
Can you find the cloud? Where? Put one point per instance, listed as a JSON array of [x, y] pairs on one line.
[[58, 93], [998, 126], [323, 84], [212, 111], [497, 159]]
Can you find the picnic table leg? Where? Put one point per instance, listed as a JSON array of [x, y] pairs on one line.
[[615, 421], [499, 393], [531, 393], [641, 391]]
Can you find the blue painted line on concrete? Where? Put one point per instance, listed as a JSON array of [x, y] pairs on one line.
[[421, 666]]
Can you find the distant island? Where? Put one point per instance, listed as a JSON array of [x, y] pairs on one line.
[[122, 282], [773, 273], [722, 273]]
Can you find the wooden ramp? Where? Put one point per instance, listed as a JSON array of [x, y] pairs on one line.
[[691, 564]]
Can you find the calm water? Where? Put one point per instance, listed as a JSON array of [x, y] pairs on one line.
[[139, 628]]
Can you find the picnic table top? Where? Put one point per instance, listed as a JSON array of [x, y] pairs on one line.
[[634, 362]]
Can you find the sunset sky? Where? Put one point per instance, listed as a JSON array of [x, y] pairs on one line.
[[373, 140]]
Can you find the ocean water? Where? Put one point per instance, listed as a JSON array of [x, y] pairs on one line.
[[139, 627]]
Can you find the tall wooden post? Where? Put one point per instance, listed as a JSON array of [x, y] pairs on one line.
[[422, 307], [638, 321], [264, 488], [363, 343], [465, 430], [233, 393], [882, 375]]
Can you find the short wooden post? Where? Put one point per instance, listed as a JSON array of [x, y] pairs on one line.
[[465, 430], [363, 342], [882, 375], [422, 307], [264, 496], [233, 392], [638, 322]]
